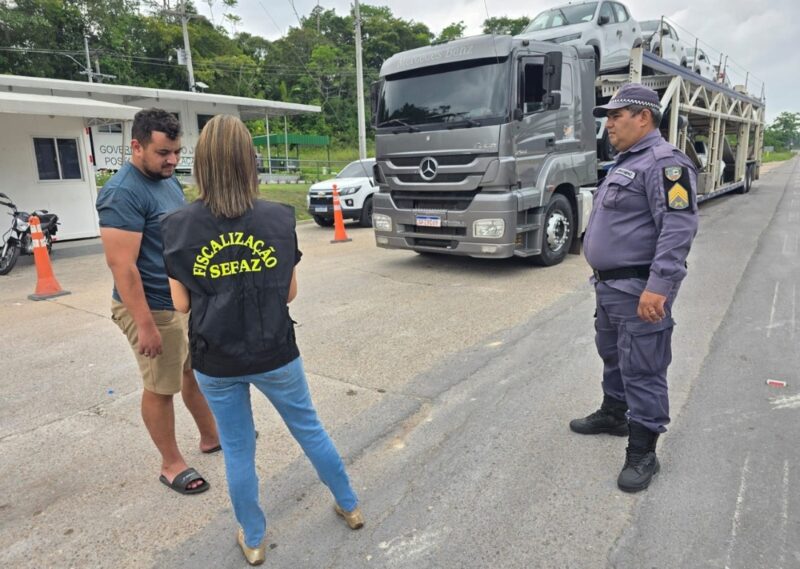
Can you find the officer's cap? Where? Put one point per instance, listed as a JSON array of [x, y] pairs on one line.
[[630, 94]]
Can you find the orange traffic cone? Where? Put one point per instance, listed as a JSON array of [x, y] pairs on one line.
[[339, 234], [46, 285]]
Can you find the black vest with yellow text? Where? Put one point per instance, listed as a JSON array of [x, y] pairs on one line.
[[238, 273]]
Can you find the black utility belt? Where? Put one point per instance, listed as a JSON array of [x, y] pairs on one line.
[[640, 272]]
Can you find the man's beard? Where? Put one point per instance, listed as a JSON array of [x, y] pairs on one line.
[[156, 175]]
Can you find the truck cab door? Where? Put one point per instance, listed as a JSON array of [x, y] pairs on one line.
[[534, 132]]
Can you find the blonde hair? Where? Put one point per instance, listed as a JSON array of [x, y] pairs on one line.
[[225, 167]]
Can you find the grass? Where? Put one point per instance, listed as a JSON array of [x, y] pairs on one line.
[[290, 194], [776, 156]]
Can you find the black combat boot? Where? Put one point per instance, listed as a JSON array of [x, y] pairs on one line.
[[641, 463], [610, 418]]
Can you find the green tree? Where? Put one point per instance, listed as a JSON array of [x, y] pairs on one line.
[[784, 132], [453, 31], [505, 25]]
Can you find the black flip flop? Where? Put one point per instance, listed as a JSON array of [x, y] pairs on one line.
[[181, 482], [217, 448]]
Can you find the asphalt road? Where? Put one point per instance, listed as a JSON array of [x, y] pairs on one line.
[[447, 384]]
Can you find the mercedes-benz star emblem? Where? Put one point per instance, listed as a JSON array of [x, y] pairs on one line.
[[427, 168]]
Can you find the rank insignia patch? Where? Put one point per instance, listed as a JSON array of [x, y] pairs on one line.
[[678, 197], [678, 190], [673, 173]]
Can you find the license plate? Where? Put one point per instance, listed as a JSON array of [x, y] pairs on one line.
[[321, 209], [429, 221]]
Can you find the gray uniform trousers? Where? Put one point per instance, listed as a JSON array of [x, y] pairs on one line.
[[636, 355]]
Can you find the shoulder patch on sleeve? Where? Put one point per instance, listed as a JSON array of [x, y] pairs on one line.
[[678, 188]]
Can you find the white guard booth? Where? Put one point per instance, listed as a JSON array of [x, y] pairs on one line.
[[44, 142], [56, 134]]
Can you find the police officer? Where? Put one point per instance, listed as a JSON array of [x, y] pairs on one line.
[[639, 234]]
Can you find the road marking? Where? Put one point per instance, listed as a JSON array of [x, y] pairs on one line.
[[790, 243], [784, 514], [772, 311], [737, 513], [786, 402]]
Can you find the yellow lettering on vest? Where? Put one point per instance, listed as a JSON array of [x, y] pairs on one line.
[[244, 267], [225, 268], [249, 242], [238, 235], [206, 253], [214, 270], [257, 247], [255, 264], [200, 260], [215, 247], [198, 271]]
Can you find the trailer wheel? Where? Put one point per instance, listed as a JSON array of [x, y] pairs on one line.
[[557, 232], [748, 179]]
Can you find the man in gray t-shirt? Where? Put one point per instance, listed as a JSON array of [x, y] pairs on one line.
[[129, 208]]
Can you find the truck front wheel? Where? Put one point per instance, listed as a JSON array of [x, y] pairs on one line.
[[557, 232]]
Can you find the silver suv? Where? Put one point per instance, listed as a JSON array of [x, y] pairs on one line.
[[608, 27]]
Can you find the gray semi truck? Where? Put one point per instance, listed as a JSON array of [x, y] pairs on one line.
[[487, 147]]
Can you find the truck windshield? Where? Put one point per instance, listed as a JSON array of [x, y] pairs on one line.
[[462, 94], [563, 16]]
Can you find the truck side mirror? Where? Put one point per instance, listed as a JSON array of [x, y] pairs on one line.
[[602, 20], [517, 115], [374, 93], [552, 101]]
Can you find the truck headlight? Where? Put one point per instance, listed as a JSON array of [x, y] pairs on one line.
[[381, 222], [349, 191], [562, 39], [489, 228]]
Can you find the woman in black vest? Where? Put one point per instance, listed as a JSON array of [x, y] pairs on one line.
[[231, 258]]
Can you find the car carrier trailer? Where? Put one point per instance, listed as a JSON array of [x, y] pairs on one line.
[[487, 147]]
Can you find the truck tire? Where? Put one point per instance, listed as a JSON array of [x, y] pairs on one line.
[[557, 232], [748, 179], [323, 221], [366, 214]]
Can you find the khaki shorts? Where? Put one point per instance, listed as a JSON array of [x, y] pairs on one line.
[[162, 374]]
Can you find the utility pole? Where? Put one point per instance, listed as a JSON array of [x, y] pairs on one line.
[[181, 13], [88, 61], [362, 132], [189, 68]]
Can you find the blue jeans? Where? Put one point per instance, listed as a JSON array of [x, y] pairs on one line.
[[287, 390]]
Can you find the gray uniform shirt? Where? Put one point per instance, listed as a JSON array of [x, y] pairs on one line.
[[645, 213]]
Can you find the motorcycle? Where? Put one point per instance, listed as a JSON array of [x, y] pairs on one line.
[[18, 240]]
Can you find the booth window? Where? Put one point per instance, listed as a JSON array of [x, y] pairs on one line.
[[57, 158], [113, 128], [202, 120]]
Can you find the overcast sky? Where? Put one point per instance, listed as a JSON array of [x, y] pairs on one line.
[[749, 32]]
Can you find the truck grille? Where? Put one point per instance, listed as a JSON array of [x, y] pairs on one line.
[[440, 243], [453, 201], [457, 231], [452, 160], [415, 178]]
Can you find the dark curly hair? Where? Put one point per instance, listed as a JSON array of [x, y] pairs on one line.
[[148, 120]]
